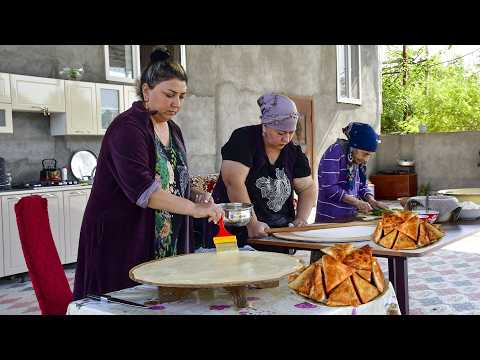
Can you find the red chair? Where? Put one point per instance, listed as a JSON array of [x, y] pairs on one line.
[[46, 271]]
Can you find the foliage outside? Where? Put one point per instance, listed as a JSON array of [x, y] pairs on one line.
[[443, 96]]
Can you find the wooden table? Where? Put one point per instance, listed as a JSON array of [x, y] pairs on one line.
[[397, 259]]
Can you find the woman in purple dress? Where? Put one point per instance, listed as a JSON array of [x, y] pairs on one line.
[[342, 180], [262, 166], [139, 207]]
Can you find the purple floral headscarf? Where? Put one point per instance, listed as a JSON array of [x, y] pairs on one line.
[[278, 112]]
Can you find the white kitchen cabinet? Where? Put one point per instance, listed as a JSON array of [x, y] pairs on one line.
[[110, 103], [6, 125], [130, 96], [32, 93], [14, 261], [75, 202], [57, 220], [5, 88], [80, 117]]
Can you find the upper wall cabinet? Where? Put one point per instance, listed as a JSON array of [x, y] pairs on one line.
[[6, 125], [5, 88], [130, 96], [109, 104], [80, 117], [31, 93]]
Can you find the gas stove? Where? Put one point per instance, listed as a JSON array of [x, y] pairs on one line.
[[39, 184]]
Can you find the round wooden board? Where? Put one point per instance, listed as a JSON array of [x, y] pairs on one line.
[[336, 235], [209, 270]]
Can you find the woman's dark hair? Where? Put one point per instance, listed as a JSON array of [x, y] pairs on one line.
[[161, 68]]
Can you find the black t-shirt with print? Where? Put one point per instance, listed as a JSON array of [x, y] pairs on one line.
[[270, 187]]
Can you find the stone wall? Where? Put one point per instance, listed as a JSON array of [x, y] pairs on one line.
[[446, 160]]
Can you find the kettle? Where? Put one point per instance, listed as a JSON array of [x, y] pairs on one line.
[[50, 171]]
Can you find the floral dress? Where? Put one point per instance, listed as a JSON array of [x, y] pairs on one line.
[[173, 176]]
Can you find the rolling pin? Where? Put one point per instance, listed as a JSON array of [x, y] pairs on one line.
[[319, 226]]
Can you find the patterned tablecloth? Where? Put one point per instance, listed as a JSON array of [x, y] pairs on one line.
[[273, 301]]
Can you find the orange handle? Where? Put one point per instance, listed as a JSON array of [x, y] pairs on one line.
[[222, 231]]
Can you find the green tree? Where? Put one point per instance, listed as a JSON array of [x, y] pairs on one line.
[[420, 89]]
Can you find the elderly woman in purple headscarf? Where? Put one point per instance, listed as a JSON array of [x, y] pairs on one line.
[[342, 180], [262, 166]]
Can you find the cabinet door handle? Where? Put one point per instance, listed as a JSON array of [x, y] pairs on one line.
[[80, 192], [14, 198], [49, 195]]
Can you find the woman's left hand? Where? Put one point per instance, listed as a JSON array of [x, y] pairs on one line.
[[377, 204], [203, 197], [299, 222]]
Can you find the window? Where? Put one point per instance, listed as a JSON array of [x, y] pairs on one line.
[[122, 63], [178, 53], [349, 78]]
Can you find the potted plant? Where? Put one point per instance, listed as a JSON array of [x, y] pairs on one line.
[[71, 73]]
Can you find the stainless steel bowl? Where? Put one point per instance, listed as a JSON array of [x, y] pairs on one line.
[[406, 162], [237, 214]]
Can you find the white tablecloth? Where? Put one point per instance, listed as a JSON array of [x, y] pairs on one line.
[[273, 301]]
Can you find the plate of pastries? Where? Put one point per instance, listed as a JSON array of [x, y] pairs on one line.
[[344, 276], [404, 230]]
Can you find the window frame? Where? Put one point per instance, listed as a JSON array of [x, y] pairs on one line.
[[349, 99], [135, 61], [183, 57]]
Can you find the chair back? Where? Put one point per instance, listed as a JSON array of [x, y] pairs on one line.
[[44, 266]]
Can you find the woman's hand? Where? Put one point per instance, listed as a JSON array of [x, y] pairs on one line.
[[257, 229], [210, 210], [299, 222], [363, 206], [376, 204]]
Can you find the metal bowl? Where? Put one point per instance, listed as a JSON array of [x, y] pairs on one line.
[[406, 162], [237, 214]]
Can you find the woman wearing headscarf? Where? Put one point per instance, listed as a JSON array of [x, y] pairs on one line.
[[342, 179], [262, 166]]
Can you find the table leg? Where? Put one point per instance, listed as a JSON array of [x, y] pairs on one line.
[[398, 276], [239, 294], [315, 255]]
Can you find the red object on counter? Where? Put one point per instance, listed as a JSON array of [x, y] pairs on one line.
[[45, 269], [391, 187]]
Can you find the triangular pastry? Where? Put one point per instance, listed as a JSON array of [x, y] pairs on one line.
[[339, 251], [317, 292], [366, 274], [388, 240], [423, 238], [335, 272], [410, 227], [360, 258], [365, 290], [377, 234], [378, 278], [301, 279], [432, 232], [344, 295], [404, 242]]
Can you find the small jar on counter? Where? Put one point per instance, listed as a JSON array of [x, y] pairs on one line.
[[64, 174]]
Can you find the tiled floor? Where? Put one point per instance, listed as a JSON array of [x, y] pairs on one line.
[[446, 282], [18, 298]]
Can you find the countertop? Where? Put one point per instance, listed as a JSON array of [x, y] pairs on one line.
[[45, 189]]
